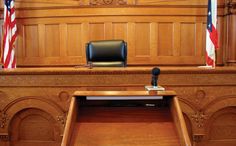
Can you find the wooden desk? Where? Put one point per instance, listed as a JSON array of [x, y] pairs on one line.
[[130, 122]]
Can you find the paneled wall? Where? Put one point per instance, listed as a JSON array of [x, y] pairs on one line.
[[54, 32]]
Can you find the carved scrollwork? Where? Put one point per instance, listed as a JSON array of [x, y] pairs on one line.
[[3, 119], [4, 137], [199, 118], [231, 7], [108, 2], [62, 119], [198, 137], [64, 96]]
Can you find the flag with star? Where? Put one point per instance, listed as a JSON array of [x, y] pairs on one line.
[[9, 36], [211, 33]]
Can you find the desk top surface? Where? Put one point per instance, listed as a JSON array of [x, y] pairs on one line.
[[121, 91], [113, 70]]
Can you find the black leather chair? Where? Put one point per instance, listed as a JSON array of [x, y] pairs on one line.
[[106, 53]]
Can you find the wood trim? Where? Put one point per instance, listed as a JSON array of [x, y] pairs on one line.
[[180, 122], [70, 122]]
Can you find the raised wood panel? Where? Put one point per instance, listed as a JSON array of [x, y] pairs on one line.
[[175, 2], [69, 3], [74, 40], [222, 40], [148, 42], [120, 30], [224, 130], [34, 126], [19, 42], [219, 130], [165, 39], [31, 41], [167, 33], [52, 40], [96, 31], [142, 40], [187, 39]]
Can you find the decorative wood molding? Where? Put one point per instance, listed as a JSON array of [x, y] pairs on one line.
[[199, 118], [4, 118], [108, 2], [198, 137], [200, 96], [62, 119], [231, 7], [4, 137]]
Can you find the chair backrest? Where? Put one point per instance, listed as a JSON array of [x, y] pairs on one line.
[[106, 53]]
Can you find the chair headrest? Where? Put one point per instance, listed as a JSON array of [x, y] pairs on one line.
[[106, 50]]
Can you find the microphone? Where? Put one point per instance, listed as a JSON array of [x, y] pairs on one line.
[[155, 72]]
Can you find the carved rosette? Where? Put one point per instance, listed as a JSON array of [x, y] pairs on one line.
[[199, 118], [3, 119], [200, 96], [231, 7], [62, 119], [108, 2]]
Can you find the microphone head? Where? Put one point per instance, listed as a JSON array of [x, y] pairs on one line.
[[156, 71]]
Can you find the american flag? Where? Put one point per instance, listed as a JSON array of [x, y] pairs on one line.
[[211, 33], [9, 36]]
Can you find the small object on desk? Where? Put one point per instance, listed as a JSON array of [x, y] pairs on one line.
[[155, 88]]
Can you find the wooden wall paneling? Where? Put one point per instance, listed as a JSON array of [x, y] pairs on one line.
[[69, 3], [153, 40], [220, 133], [74, 46], [175, 2], [19, 42], [84, 40], [103, 25], [177, 39], [131, 2], [31, 41], [43, 125], [63, 40], [187, 39], [52, 40], [231, 54], [199, 39], [142, 42], [41, 40], [166, 39], [131, 43], [221, 37], [108, 31], [120, 30], [96, 31]]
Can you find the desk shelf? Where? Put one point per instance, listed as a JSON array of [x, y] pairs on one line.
[[121, 123]]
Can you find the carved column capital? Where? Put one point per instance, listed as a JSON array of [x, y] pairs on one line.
[[3, 119], [197, 137], [231, 7], [62, 119], [199, 118], [4, 137]]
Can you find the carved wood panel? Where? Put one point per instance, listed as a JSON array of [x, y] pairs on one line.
[[207, 97], [160, 42]]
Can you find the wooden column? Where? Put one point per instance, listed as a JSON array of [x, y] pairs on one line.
[[231, 31]]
